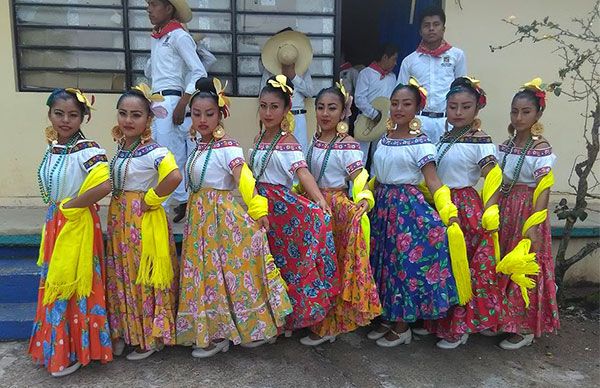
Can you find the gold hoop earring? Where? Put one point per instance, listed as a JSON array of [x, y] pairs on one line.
[[146, 135], [536, 130], [390, 125], [342, 128], [51, 134], [476, 124], [219, 132], [414, 126], [117, 133]]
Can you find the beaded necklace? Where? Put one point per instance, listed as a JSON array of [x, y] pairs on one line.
[[325, 159], [118, 183], [453, 140], [45, 177], [267, 156], [192, 162], [507, 188]]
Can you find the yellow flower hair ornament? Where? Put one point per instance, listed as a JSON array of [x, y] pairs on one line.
[[422, 91], [538, 88], [82, 98], [280, 82], [224, 102], [147, 92], [347, 99]]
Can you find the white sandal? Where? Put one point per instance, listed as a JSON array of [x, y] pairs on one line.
[[526, 341], [403, 338], [376, 334]]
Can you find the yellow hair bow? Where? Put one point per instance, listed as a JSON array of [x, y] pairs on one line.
[[280, 82], [535, 83], [473, 81], [223, 99], [413, 81], [81, 97], [340, 85], [147, 92]]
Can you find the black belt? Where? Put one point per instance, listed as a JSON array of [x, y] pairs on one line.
[[169, 92], [298, 111], [433, 115]]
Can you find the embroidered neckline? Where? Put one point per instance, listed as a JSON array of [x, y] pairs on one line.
[[140, 151], [532, 152], [402, 142]]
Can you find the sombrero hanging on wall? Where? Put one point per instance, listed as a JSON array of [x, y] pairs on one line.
[[286, 48], [183, 13]]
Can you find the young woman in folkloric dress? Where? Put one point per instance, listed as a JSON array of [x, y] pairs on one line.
[[141, 303], [70, 327], [527, 161], [231, 289], [300, 234]]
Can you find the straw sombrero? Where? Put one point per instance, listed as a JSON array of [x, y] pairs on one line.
[[286, 48], [183, 13]]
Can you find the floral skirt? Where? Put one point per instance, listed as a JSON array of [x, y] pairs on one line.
[[409, 256], [482, 311], [229, 287], [358, 302], [74, 330], [301, 240], [542, 314], [139, 314]]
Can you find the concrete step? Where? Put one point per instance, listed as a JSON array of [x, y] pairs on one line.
[[16, 320], [19, 280]]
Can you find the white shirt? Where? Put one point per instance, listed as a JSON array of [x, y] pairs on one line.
[[226, 154], [461, 165], [349, 77], [369, 86], [285, 160], [173, 60], [66, 181], [537, 163], [345, 158], [142, 168], [303, 88], [435, 74], [399, 161]]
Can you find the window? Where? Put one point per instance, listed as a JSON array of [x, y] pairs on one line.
[[103, 45]]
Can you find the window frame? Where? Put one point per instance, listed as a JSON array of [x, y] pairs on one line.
[[129, 72]]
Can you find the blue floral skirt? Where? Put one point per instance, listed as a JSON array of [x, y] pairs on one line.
[[301, 241], [409, 256]]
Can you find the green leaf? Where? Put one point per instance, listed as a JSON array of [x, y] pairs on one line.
[[557, 91], [583, 215]]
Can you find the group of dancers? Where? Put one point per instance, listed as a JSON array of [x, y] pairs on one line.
[[319, 243]]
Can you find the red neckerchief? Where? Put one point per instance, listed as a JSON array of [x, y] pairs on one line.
[[375, 66], [170, 26], [345, 66], [445, 46]]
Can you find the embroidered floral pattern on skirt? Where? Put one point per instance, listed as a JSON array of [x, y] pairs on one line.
[[358, 302], [139, 314], [74, 330], [301, 240], [229, 289], [542, 315], [409, 256]]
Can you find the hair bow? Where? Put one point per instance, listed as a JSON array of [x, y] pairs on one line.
[[223, 99], [82, 98], [347, 99], [147, 92], [422, 91], [537, 87], [280, 82]]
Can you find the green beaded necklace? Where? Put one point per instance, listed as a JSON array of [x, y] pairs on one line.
[[45, 177], [192, 162], [325, 159], [118, 183], [453, 140], [267, 156], [517, 171]]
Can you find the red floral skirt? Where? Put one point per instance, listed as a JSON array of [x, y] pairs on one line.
[[68, 331], [482, 311], [542, 314]]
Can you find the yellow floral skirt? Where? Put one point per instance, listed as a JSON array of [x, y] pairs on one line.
[[230, 286], [358, 302], [140, 315]]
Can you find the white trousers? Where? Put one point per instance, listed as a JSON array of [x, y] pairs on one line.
[[174, 137], [300, 131], [434, 128]]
